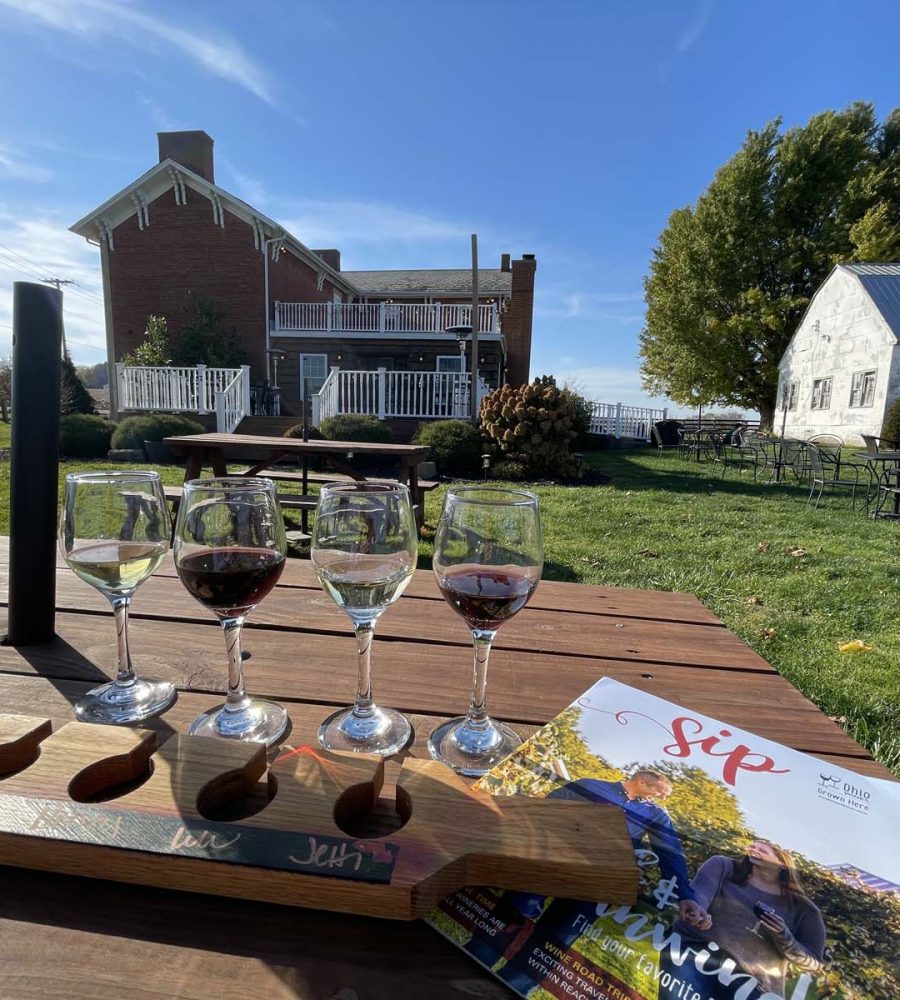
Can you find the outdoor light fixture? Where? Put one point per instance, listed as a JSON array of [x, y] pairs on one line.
[[579, 464], [485, 464]]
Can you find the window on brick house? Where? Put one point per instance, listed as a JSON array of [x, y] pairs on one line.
[[821, 394], [862, 388]]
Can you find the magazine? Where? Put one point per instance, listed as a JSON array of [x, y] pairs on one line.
[[765, 874]]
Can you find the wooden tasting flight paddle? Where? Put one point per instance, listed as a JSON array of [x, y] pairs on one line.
[[74, 801]]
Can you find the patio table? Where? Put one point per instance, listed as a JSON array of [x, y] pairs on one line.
[[344, 456], [71, 937], [885, 458]]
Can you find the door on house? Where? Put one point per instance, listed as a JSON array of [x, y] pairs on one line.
[[313, 369], [451, 396]]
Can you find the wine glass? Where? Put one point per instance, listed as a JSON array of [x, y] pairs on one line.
[[113, 533], [229, 553], [488, 557], [364, 548]]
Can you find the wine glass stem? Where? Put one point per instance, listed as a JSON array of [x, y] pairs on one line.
[[477, 716], [236, 699], [364, 704], [124, 669]]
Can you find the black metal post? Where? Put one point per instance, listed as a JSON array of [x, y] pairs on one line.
[[34, 463]]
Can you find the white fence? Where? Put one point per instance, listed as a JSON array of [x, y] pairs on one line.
[[379, 317], [385, 394], [223, 391], [619, 420]]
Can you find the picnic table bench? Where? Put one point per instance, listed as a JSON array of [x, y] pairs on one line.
[[71, 937]]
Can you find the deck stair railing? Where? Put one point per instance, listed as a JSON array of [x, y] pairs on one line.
[[389, 394]]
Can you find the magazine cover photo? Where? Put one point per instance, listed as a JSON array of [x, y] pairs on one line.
[[766, 874]]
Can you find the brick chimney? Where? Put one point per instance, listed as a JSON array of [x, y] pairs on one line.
[[516, 321], [504, 262], [193, 150], [331, 257]]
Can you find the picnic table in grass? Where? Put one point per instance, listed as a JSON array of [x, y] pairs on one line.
[[345, 457], [75, 937]]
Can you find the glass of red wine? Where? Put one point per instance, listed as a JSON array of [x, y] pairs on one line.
[[488, 558], [229, 553], [364, 548]]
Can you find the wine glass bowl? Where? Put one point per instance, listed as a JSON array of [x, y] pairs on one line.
[[488, 559], [229, 553], [364, 549], [114, 533]]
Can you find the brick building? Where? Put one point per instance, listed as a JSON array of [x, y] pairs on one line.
[[174, 235]]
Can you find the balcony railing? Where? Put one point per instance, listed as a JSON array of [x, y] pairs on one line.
[[386, 318]]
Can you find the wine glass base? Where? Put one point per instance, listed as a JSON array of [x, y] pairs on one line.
[[118, 704], [471, 750], [384, 732], [258, 721]]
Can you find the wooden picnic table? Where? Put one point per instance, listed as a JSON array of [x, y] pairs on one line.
[[201, 450], [67, 937]]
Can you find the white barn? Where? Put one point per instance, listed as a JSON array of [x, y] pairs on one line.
[[841, 370]]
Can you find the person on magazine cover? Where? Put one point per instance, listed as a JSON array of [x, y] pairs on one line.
[[757, 914], [649, 827]]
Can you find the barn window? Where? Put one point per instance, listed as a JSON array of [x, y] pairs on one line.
[[821, 394], [862, 388]]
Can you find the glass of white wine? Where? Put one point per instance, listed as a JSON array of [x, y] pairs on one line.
[[364, 548], [114, 531]]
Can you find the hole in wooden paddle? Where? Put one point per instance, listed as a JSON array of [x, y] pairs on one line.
[[230, 798], [360, 814], [109, 779]]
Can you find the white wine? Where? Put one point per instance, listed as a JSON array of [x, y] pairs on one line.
[[363, 583], [116, 567]]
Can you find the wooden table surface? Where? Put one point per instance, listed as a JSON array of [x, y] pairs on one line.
[[63, 937]]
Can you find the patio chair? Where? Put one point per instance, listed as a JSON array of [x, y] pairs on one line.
[[823, 474], [666, 434], [874, 444], [887, 488], [795, 456]]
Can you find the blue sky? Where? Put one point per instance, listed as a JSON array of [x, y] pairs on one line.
[[393, 130]]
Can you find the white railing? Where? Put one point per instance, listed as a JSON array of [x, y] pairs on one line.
[[619, 420], [232, 403], [380, 317], [384, 394], [200, 390]]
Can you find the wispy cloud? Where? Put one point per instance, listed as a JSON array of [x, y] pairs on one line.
[[348, 222], [618, 307], [14, 166], [697, 25], [158, 114], [90, 20], [688, 36], [35, 245]]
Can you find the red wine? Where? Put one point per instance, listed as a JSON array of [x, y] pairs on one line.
[[230, 580], [486, 596]]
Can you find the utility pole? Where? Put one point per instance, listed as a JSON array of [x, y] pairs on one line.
[[473, 389], [57, 284]]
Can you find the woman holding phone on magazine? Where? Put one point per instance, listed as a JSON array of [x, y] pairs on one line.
[[758, 915]]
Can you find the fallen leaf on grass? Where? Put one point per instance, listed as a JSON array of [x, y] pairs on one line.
[[769, 633], [839, 719], [854, 646], [763, 546], [754, 600], [649, 553], [796, 551]]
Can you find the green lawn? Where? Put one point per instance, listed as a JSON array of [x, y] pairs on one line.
[[792, 582], [669, 524], [4, 434]]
